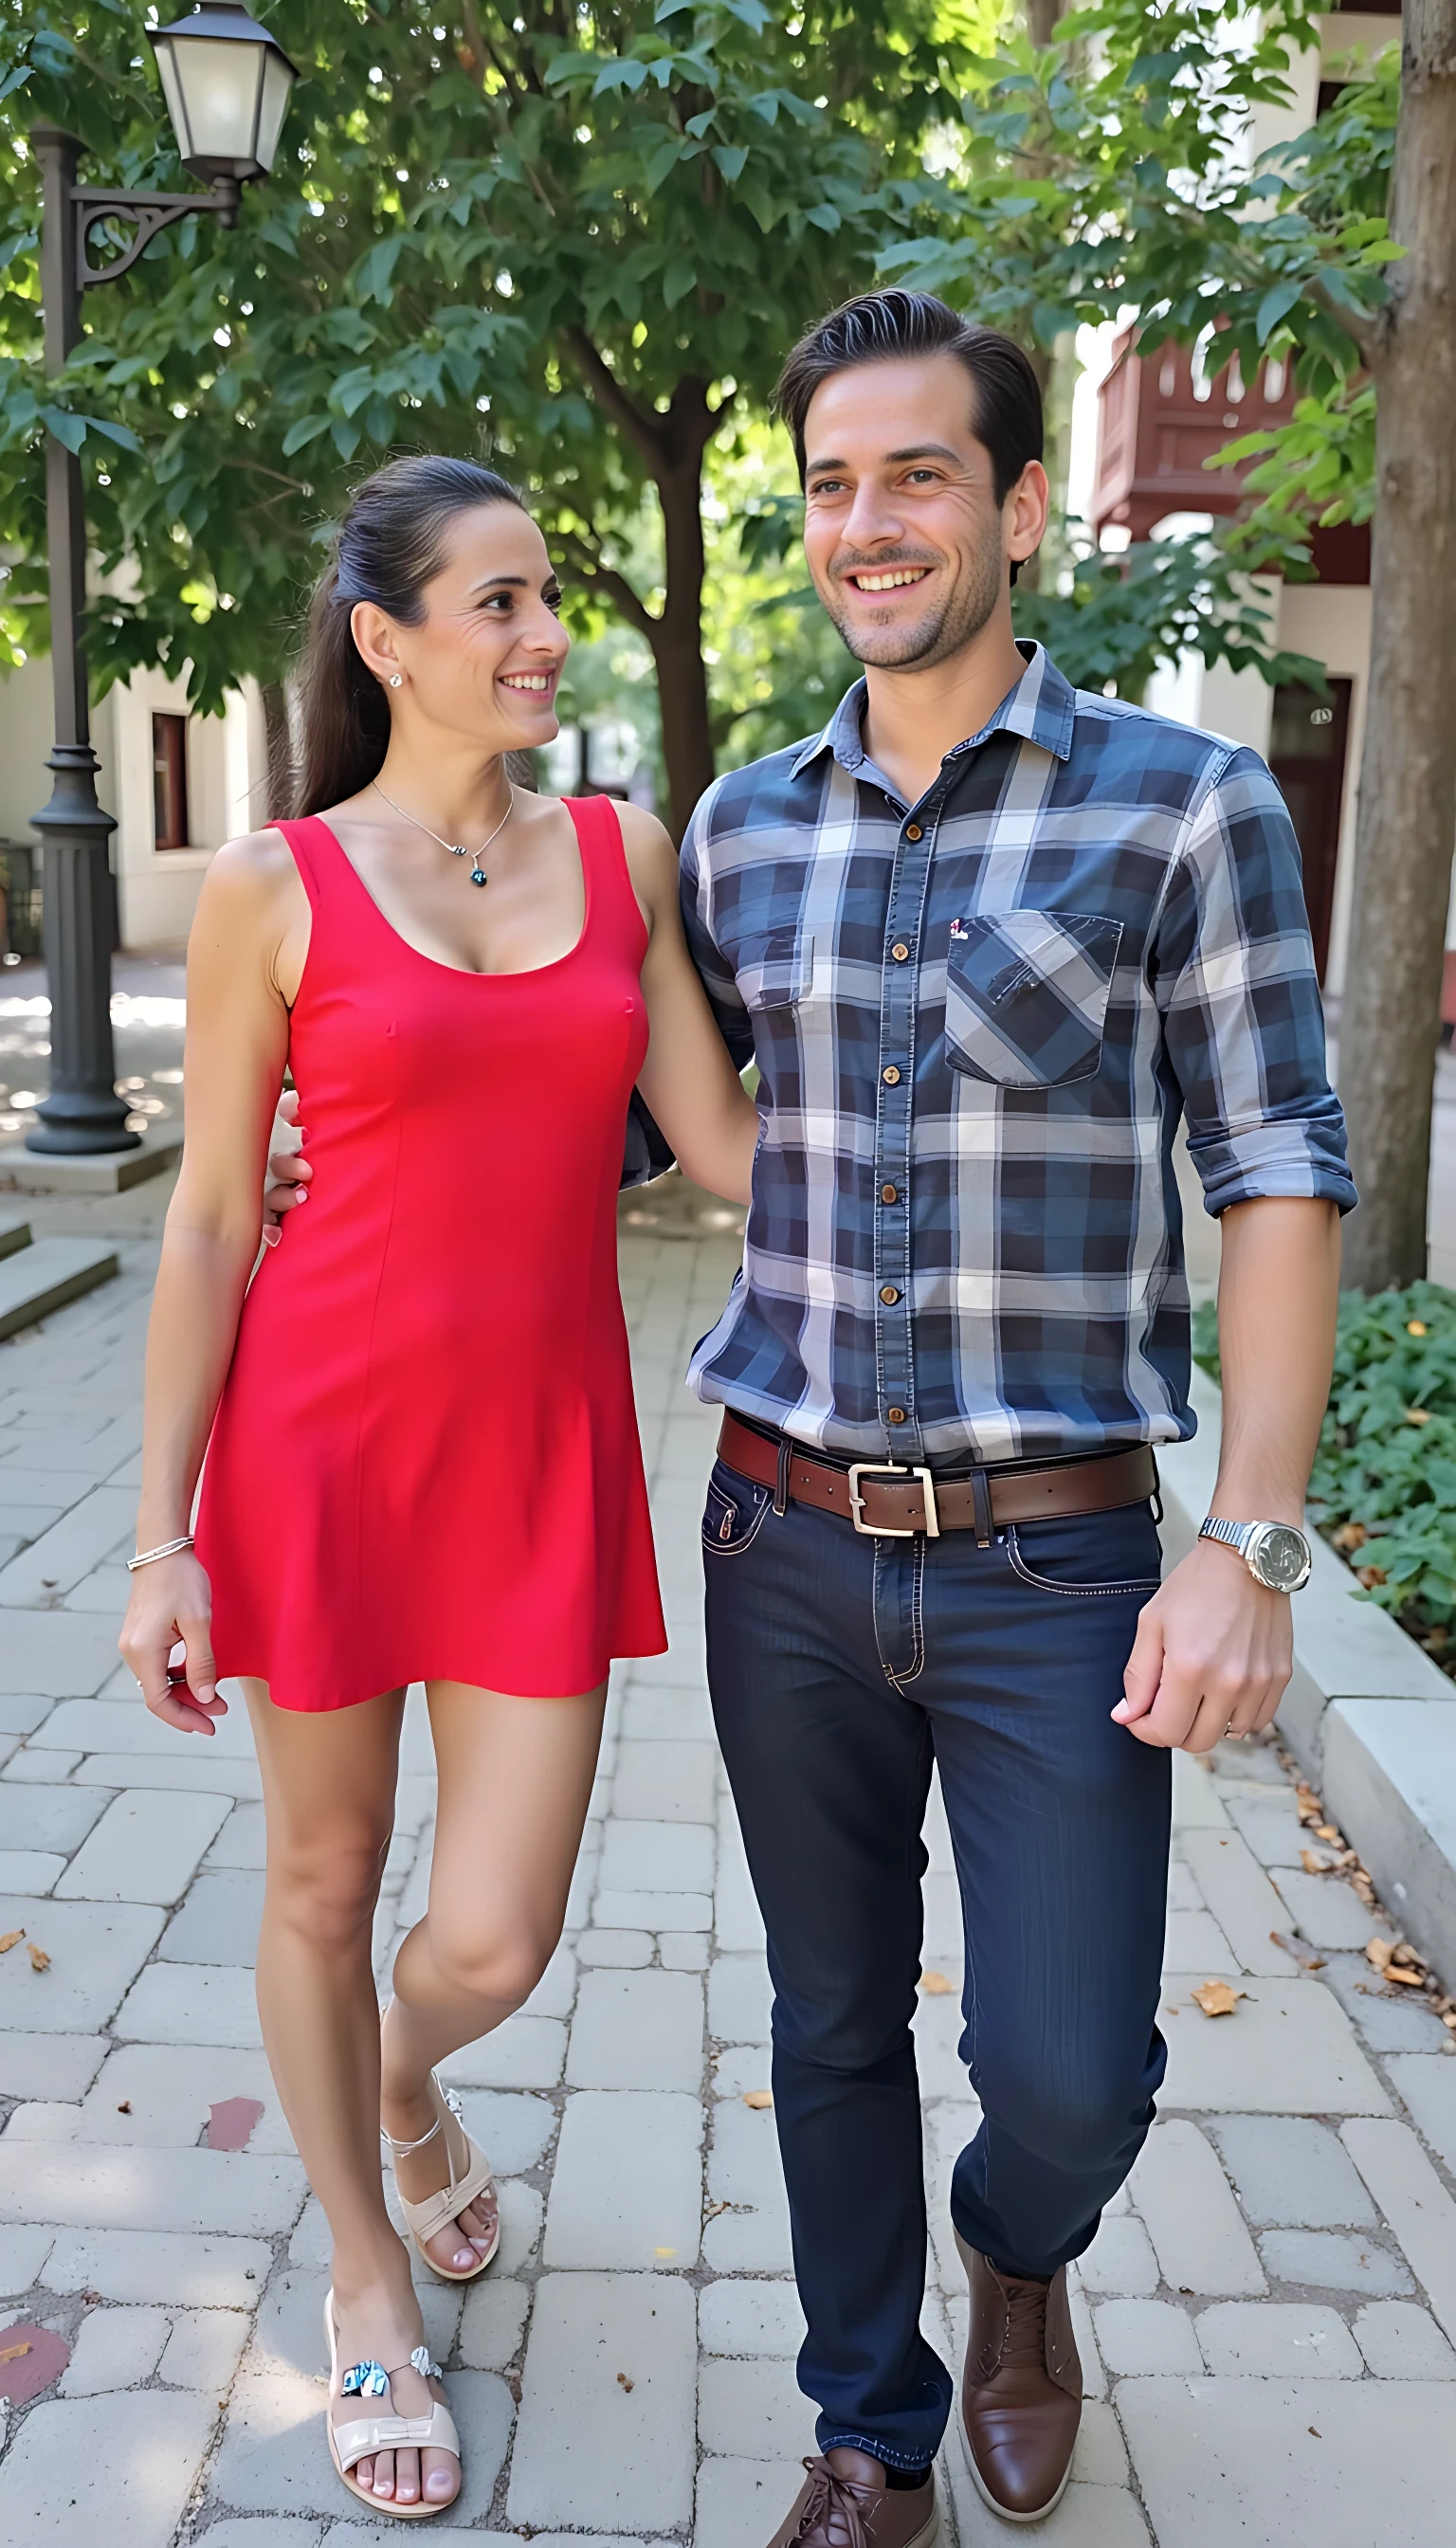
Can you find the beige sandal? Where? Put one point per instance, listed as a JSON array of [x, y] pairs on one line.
[[435, 2211], [368, 2434]]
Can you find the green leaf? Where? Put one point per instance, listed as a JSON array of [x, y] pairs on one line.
[[66, 428], [1276, 303], [732, 159], [679, 280], [376, 273]]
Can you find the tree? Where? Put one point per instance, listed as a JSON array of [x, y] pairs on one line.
[[582, 239]]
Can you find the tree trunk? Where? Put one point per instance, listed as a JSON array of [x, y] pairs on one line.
[[278, 736], [1405, 826], [676, 641]]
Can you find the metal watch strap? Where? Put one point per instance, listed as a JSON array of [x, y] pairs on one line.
[[1234, 1534]]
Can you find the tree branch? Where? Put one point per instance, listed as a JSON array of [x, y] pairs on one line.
[[607, 580], [640, 427]]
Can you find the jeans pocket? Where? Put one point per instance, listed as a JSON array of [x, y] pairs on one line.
[[1090, 1556], [734, 1513]]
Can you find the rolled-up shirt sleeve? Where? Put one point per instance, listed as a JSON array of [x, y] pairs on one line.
[[718, 979], [1233, 975]]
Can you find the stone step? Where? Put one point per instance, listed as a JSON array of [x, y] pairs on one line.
[[42, 1277], [14, 1234]]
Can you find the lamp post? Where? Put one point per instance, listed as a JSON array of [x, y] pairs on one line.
[[227, 84]]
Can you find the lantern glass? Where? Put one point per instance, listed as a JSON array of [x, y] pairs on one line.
[[226, 85]]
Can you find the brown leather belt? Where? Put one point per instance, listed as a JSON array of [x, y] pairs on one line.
[[889, 1502]]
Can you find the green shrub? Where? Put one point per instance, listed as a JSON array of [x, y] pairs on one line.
[[1383, 1483]]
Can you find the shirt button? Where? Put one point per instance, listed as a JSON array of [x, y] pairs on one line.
[[896, 1415], [899, 951], [913, 832], [891, 1077], [889, 1295], [889, 1194]]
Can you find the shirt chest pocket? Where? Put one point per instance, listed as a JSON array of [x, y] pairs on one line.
[[775, 969], [1026, 995]]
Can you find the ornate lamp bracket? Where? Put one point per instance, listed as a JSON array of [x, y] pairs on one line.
[[151, 213]]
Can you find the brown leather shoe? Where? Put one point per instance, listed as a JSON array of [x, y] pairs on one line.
[[845, 2503], [1020, 2397]]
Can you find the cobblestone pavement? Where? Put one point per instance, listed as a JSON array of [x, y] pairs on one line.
[[1264, 2315]]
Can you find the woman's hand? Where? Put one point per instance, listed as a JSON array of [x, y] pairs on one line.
[[172, 1604], [288, 1170]]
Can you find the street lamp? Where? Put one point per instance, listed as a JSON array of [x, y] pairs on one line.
[[227, 83]]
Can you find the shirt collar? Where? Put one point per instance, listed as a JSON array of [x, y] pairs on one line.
[[1041, 707]]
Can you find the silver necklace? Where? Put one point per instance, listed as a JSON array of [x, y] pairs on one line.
[[457, 849]]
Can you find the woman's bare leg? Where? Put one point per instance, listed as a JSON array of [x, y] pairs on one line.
[[514, 1784], [328, 1787]]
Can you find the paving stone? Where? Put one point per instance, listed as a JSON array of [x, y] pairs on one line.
[[1120, 2260], [620, 1947], [218, 1924], [679, 1911], [658, 1858], [95, 1526], [744, 2171], [627, 2186], [1327, 1912], [159, 2265], [1271, 1826], [79, 2186], [666, 1782], [589, 2448], [1194, 1938], [1219, 2460], [1278, 2340], [1240, 1897], [196, 1767], [742, 2501], [117, 2469], [29, 1870], [1335, 2260], [1426, 2083], [56, 1653], [23, 2253], [1134, 2335], [1197, 1805], [1289, 2049], [661, 1715], [21, 1711], [520, 2225], [1402, 2343], [685, 1951], [737, 1919], [243, 1841], [115, 2349], [753, 2409], [492, 2323], [557, 1987], [515, 2130], [1291, 2173], [1100, 2457], [1390, 2020], [145, 1848], [637, 2031], [741, 2068], [740, 1998], [203, 2349], [171, 2088], [524, 2052], [95, 1951], [749, 2317], [258, 2530], [1414, 2202], [102, 1725], [38, 1769], [191, 2003], [1191, 2216]]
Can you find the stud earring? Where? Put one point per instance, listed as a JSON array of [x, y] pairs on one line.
[[394, 679]]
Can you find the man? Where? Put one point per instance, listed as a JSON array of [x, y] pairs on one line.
[[987, 939]]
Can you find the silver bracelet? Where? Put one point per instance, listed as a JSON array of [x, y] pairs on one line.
[[150, 1556]]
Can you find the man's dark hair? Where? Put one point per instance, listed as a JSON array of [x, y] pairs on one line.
[[891, 326]]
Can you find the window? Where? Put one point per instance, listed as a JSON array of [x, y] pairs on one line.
[[169, 781]]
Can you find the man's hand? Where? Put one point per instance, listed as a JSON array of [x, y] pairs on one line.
[[288, 1170], [1212, 1655]]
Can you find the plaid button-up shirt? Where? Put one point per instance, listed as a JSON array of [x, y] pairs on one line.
[[978, 1021]]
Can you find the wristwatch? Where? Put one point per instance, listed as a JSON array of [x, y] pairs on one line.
[[1276, 1554]]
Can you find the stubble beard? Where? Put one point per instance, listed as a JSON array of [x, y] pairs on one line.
[[939, 634]]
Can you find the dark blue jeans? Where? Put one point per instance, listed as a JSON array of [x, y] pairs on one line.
[[841, 1667]]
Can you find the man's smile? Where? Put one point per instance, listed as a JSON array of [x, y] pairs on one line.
[[885, 579]]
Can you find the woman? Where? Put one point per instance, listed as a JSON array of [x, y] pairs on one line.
[[423, 1460]]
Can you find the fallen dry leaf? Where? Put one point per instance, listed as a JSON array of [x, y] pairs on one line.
[[1402, 1973], [40, 1961], [1308, 1805], [1328, 1831], [757, 2098], [1312, 1864], [13, 2352], [1351, 1535], [935, 1985], [1217, 1999], [12, 1938], [1378, 1952], [1303, 1955], [124, 2106], [625, 2383]]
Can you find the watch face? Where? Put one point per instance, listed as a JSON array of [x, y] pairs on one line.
[[1281, 1556]]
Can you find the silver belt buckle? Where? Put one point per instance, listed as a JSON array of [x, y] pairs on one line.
[[891, 1469]]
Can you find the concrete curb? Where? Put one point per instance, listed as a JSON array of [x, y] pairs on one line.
[[1367, 1715]]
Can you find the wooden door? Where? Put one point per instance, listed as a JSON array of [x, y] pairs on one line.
[[1306, 753]]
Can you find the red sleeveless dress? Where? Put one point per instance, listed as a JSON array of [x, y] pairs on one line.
[[425, 1461]]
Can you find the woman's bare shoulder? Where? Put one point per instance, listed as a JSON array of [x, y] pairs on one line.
[[253, 872], [652, 860]]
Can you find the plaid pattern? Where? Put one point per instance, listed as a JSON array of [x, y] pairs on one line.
[[974, 1047]]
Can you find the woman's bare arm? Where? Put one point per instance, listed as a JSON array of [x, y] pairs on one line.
[[243, 960], [687, 1079]]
